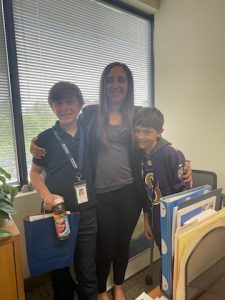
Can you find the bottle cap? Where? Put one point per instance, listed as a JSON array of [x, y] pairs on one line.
[[58, 200]]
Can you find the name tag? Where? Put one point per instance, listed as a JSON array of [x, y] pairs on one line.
[[80, 190]]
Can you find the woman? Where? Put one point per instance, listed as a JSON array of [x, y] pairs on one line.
[[119, 188]]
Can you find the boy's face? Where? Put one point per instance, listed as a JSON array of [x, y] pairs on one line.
[[146, 138], [66, 110]]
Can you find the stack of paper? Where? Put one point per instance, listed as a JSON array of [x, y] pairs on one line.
[[144, 296], [177, 211]]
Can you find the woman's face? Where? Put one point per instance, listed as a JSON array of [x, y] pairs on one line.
[[117, 85]]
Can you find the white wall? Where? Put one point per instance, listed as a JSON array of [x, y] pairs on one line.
[[148, 6], [190, 79]]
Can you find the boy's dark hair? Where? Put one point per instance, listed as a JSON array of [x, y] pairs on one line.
[[64, 90], [149, 117]]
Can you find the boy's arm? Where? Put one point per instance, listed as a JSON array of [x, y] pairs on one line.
[[39, 184], [147, 226]]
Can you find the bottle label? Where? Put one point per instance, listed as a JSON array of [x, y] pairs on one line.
[[62, 227]]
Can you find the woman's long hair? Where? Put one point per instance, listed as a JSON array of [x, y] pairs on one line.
[[126, 108]]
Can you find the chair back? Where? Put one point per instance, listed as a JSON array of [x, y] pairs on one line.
[[201, 177]]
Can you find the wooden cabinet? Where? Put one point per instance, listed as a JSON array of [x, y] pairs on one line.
[[11, 277]]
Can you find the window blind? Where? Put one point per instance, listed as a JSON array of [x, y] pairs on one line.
[[73, 41], [8, 159]]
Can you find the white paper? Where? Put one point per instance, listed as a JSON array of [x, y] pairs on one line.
[[144, 296], [42, 216], [192, 212]]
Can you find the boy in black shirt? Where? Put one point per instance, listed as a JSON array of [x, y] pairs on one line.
[[68, 169]]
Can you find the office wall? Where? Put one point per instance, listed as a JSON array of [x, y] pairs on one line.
[[190, 79], [148, 6]]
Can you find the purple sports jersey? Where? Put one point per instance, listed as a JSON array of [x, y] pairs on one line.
[[162, 171]]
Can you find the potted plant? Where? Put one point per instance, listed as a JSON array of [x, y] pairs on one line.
[[7, 194]]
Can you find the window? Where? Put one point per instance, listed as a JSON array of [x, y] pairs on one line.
[[73, 41], [7, 135]]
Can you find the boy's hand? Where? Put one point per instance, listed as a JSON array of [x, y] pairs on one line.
[[147, 227], [49, 201], [187, 176], [35, 150], [148, 233]]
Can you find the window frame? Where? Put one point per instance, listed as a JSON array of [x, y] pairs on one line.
[[14, 77], [15, 91]]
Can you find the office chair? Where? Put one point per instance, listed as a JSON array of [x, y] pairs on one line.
[[201, 177]]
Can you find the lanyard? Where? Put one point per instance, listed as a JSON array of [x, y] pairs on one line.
[[76, 165]]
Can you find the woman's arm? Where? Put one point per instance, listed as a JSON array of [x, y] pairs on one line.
[[35, 150], [187, 176], [39, 184]]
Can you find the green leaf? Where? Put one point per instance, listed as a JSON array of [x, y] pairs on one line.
[[4, 233], [7, 194], [4, 215], [5, 173], [7, 208], [8, 191], [5, 198], [3, 180], [6, 202], [13, 191]]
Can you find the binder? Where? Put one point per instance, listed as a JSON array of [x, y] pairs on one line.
[[167, 205]]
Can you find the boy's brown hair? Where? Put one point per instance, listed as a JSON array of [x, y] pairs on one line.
[[64, 90], [149, 117]]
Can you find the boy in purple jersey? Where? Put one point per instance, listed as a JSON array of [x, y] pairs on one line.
[[162, 166]]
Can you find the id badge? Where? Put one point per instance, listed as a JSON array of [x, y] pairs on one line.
[[80, 189]]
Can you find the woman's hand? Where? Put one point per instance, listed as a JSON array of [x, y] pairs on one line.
[[35, 150], [187, 176]]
